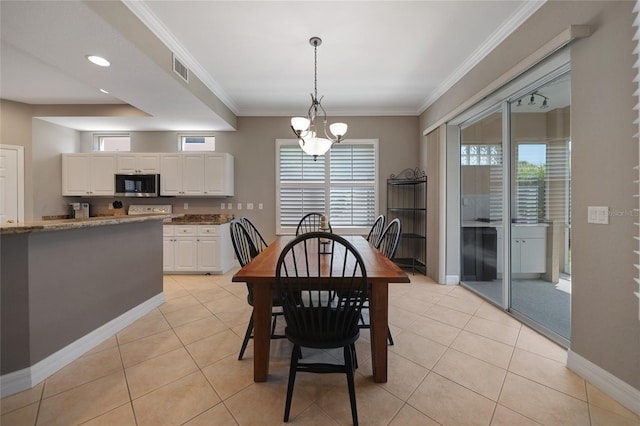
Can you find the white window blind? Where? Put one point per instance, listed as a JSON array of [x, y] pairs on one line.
[[342, 184]]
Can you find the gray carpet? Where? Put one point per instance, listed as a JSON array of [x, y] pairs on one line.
[[539, 300]]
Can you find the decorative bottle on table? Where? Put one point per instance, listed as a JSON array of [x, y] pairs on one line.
[[324, 228]]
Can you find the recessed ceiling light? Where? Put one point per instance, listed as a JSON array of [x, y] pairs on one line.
[[104, 91], [98, 60]]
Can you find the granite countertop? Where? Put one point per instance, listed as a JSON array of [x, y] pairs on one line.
[[201, 219], [64, 224]]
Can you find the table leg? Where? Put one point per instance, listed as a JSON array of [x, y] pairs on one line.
[[378, 315], [261, 331]]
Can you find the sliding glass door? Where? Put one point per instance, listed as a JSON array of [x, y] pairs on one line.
[[540, 200], [481, 211], [515, 224]]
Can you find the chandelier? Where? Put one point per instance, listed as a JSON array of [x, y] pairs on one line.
[[306, 129]]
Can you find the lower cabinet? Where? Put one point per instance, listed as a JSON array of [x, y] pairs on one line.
[[197, 248]]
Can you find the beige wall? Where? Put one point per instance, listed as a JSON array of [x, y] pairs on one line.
[[15, 129], [605, 326], [252, 145]]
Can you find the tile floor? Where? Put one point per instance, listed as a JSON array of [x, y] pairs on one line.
[[457, 360]]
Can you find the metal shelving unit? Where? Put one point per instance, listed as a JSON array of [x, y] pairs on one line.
[[407, 200]]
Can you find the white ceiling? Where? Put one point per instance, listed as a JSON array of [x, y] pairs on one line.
[[377, 57]]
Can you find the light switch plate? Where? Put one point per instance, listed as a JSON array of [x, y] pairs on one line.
[[598, 214], [186, 206], [229, 206], [222, 206], [239, 206], [249, 206], [259, 206]]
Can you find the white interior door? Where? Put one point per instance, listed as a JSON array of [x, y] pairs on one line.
[[11, 184]]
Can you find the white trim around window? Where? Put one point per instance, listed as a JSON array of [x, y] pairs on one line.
[[303, 188]]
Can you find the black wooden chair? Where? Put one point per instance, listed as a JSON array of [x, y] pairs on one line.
[[387, 245], [310, 223], [314, 320], [255, 235], [376, 230], [245, 250], [388, 242]]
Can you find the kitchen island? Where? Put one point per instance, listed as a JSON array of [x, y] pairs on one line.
[[67, 285]]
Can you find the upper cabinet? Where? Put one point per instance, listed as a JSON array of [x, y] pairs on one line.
[[88, 175], [143, 163], [196, 174]]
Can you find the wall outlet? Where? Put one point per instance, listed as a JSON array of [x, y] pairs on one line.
[[239, 206], [229, 206], [249, 206], [186, 206], [222, 206], [110, 206], [259, 206]]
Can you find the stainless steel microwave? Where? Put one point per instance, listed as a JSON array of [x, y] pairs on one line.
[[137, 185]]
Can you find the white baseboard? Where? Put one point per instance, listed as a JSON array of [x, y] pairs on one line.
[[452, 280], [617, 389], [24, 379]]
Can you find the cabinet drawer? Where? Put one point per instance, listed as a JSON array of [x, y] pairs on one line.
[[184, 230], [167, 231], [529, 232], [212, 230]]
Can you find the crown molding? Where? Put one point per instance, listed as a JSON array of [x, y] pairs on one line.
[[148, 18], [523, 13]]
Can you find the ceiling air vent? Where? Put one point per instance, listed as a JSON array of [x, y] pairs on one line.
[[180, 69]]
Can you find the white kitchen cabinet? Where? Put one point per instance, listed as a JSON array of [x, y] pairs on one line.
[[88, 174], [144, 163], [196, 174], [528, 249], [197, 248], [218, 174]]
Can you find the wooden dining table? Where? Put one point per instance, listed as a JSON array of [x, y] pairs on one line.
[[261, 271]]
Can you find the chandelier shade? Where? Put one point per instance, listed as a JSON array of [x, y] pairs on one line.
[[305, 128]]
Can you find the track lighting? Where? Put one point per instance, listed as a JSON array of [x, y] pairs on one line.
[[532, 100]]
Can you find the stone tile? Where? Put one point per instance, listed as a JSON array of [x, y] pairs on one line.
[[314, 416], [108, 343], [178, 303], [498, 332], [465, 305], [229, 376], [85, 402], [177, 402], [213, 348], [21, 399], [218, 416], [422, 351], [271, 395], [186, 315], [409, 416], [435, 330], [542, 404], [600, 399], [121, 416], [144, 378], [404, 376], [548, 372], [505, 417], [532, 341], [83, 370], [448, 403], [492, 313], [448, 316], [602, 417], [199, 329], [152, 323], [488, 350], [472, 373], [25, 416], [149, 347]]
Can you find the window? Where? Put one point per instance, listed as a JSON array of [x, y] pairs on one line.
[[113, 142], [343, 184], [197, 143]]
